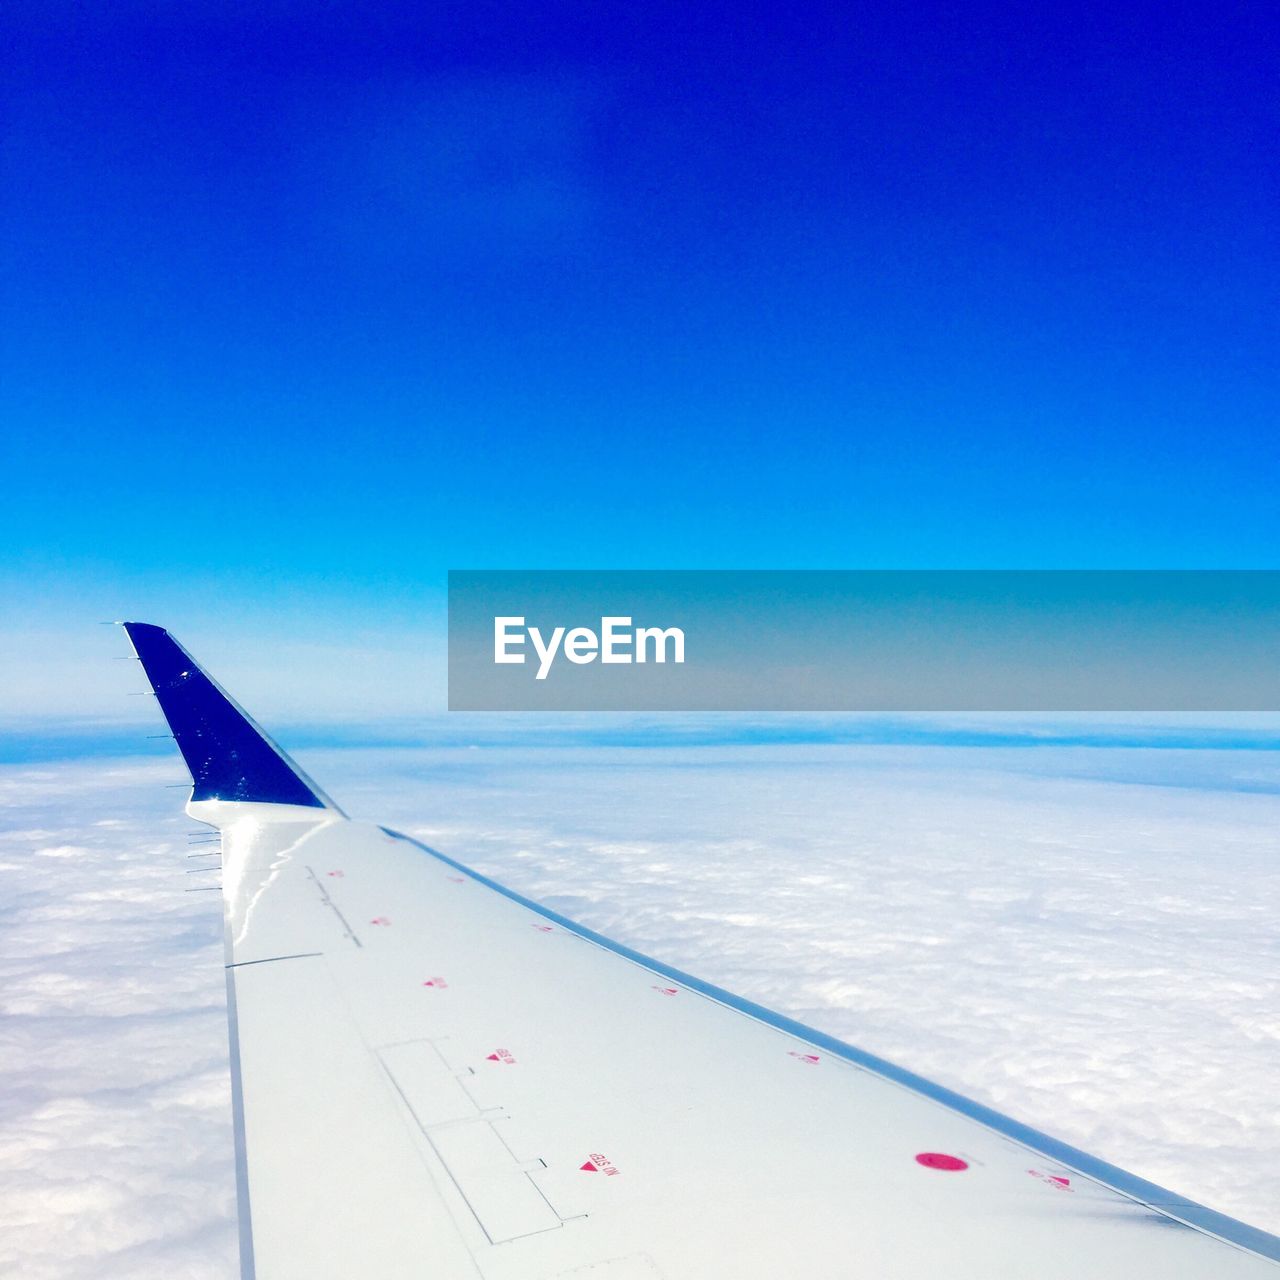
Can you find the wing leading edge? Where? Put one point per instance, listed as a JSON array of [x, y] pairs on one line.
[[435, 1075]]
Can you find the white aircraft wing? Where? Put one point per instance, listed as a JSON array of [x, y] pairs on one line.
[[436, 1078]]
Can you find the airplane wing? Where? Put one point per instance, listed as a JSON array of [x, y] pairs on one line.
[[434, 1077]]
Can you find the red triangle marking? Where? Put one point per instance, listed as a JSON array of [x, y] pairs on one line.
[[493, 1057], [588, 1167]]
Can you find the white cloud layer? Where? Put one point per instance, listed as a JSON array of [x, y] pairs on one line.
[[1083, 938], [115, 1159]]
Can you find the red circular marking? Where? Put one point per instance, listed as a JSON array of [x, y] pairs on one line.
[[936, 1160]]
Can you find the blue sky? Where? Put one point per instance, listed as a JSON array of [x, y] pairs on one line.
[[305, 304]]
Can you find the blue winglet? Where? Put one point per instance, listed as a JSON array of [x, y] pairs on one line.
[[229, 757]]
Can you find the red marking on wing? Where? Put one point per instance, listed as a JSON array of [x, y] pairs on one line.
[[458, 879], [937, 1160], [335, 873], [668, 991], [383, 920], [810, 1058], [588, 1167], [435, 982], [544, 928], [502, 1055]]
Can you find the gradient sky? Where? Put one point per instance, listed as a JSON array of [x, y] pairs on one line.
[[306, 303]]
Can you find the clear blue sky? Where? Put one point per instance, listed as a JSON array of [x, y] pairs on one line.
[[310, 302]]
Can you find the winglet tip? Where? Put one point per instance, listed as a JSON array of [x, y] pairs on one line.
[[228, 755]]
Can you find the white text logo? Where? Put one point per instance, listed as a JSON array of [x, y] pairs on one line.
[[616, 641]]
